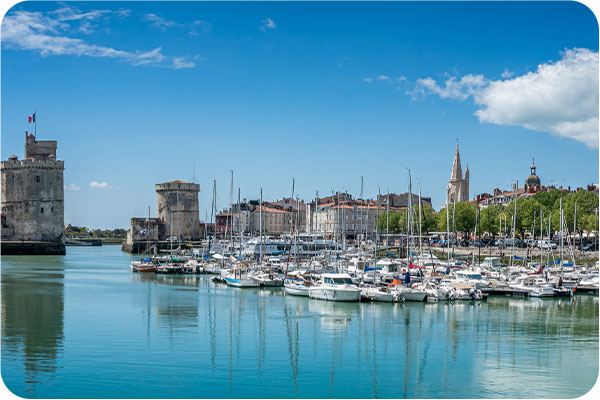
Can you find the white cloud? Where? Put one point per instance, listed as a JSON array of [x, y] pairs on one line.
[[507, 73], [268, 23], [200, 25], [99, 185], [560, 98], [72, 187], [180, 62], [460, 89], [368, 80], [382, 77], [45, 33], [160, 22]]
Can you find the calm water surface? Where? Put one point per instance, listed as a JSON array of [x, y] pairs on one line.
[[82, 325]]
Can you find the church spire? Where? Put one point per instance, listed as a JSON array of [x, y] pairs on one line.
[[456, 167]]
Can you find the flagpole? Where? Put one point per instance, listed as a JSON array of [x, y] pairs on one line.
[[35, 123]]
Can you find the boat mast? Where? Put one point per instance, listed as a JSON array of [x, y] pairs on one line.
[[148, 230], [239, 213], [291, 229], [514, 230], [448, 229], [231, 212], [361, 213], [387, 223], [377, 223], [260, 224], [420, 230], [561, 231]]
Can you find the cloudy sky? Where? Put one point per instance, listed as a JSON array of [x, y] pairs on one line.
[[141, 93]]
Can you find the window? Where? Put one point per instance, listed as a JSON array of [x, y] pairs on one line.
[[37, 178], [42, 210]]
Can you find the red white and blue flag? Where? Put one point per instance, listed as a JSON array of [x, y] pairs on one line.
[[32, 118]]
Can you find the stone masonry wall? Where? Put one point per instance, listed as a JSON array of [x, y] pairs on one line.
[[33, 200], [177, 206]]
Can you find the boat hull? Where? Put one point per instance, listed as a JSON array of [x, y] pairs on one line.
[[415, 296], [241, 283], [296, 290], [377, 295], [333, 294]]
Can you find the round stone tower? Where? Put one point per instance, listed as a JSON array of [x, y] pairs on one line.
[[177, 206]]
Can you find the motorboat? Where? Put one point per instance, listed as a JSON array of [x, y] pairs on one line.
[[267, 279], [335, 287], [412, 294], [240, 278], [439, 293], [296, 284], [380, 293], [536, 287]]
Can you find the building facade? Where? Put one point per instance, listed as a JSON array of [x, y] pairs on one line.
[[33, 200], [458, 187]]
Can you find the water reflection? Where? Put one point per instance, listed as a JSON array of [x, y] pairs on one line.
[[32, 318], [217, 341]]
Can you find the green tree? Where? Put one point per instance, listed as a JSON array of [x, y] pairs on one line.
[[464, 217], [527, 209], [489, 219]]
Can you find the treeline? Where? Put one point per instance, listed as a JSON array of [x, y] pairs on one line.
[[82, 231], [543, 207]]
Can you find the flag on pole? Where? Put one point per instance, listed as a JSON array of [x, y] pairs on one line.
[[32, 118]]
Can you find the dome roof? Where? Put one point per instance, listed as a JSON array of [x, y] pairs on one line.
[[532, 180]]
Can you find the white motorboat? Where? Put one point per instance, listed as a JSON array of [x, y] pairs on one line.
[[439, 293], [296, 284], [381, 293], [335, 287], [267, 279], [536, 287], [412, 294], [241, 279]]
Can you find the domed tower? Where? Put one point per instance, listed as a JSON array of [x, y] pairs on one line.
[[532, 180], [177, 206]]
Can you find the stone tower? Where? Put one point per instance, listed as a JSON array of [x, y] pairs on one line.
[[177, 207], [33, 200], [458, 188]]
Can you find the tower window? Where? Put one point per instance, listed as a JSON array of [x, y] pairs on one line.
[[42, 210], [37, 178]]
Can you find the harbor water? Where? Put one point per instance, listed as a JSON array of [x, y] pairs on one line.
[[84, 326]]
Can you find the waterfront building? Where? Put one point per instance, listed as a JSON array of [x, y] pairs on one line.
[[246, 218], [401, 200], [33, 200], [350, 219], [458, 187]]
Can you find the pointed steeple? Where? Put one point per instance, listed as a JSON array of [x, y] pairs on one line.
[[456, 168]]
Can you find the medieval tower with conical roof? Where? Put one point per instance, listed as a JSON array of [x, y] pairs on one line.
[[458, 188]]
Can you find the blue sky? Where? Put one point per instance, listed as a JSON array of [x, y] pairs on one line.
[[138, 93]]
